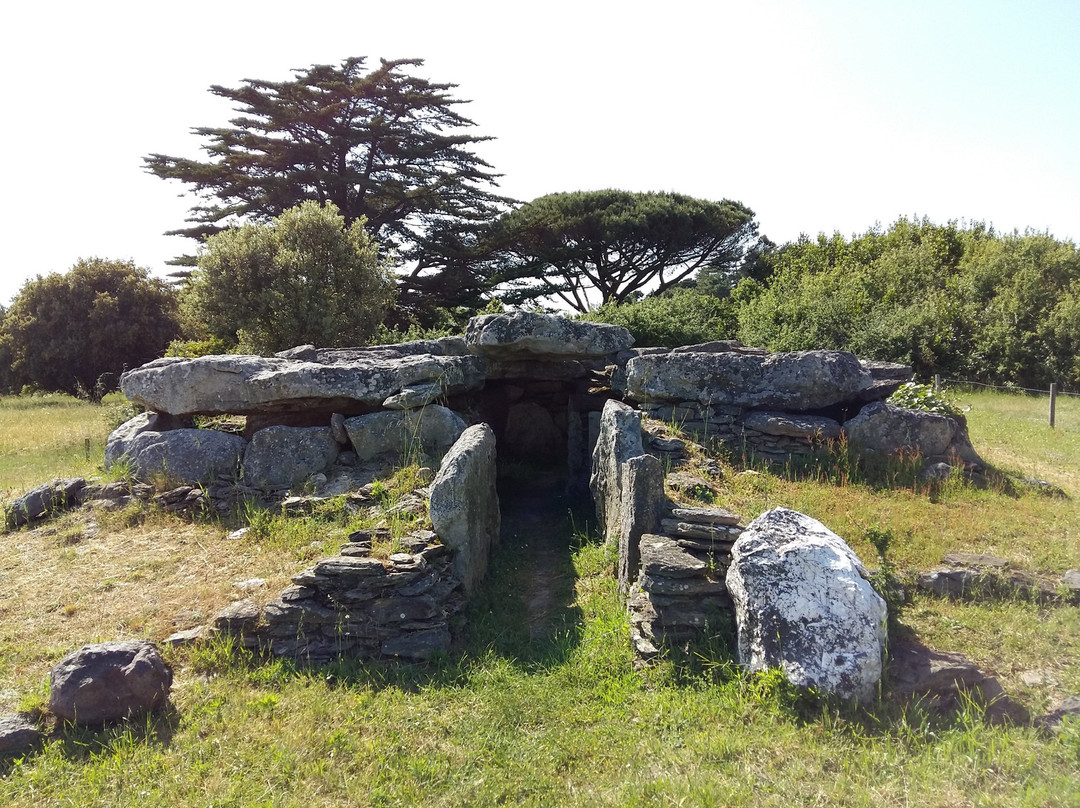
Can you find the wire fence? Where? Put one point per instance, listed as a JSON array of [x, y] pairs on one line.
[[1052, 394], [1008, 388]]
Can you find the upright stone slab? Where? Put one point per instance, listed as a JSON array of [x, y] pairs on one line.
[[618, 441], [525, 333], [190, 456], [120, 439], [464, 505], [284, 456], [430, 430], [642, 505], [803, 604]]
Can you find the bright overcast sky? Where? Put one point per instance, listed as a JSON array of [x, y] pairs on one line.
[[821, 115]]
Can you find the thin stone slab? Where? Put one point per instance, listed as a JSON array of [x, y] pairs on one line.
[[689, 530], [806, 427], [705, 516], [662, 557]]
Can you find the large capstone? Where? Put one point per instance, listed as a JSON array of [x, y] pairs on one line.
[[243, 385], [464, 506], [791, 382], [544, 335], [108, 682], [803, 604], [618, 441], [283, 456]]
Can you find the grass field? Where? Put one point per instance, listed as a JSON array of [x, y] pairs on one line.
[[555, 716]]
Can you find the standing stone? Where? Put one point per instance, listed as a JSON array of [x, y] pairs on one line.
[[643, 495], [430, 430], [119, 441], [186, 455], [464, 506], [531, 433], [803, 604], [618, 441], [108, 682], [283, 456]]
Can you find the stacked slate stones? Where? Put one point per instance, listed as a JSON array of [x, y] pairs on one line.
[[354, 604], [680, 595]]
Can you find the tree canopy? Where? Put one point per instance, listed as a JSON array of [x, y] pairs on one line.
[[961, 301], [382, 145], [305, 277], [78, 331], [591, 247]]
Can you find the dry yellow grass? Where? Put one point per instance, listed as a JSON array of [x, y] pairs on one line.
[[89, 577]]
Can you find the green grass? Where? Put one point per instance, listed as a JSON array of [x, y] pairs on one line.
[[44, 436], [560, 715]]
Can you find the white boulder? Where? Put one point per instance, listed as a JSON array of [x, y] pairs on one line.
[[803, 604]]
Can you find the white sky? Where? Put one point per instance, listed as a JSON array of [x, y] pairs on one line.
[[821, 115]]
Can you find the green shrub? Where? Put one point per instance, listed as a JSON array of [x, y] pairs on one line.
[[678, 317], [914, 396]]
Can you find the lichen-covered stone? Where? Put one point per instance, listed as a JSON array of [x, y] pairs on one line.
[[284, 456], [213, 385], [464, 506], [791, 382], [882, 428], [545, 335], [431, 430], [618, 441], [803, 604]]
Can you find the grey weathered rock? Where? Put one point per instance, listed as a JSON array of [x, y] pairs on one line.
[[802, 603], [887, 371], [808, 427], [464, 505], [705, 516], [120, 438], [618, 441], [691, 485], [642, 499], [52, 497], [429, 431], [108, 682], [546, 335], [18, 735], [238, 618], [242, 385], [417, 395], [883, 428], [662, 557], [1068, 708], [284, 456], [421, 645], [792, 382], [186, 455], [444, 346], [939, 678]]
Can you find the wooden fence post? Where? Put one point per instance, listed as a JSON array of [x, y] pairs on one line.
[[1053, 402]]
